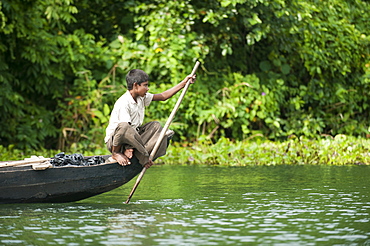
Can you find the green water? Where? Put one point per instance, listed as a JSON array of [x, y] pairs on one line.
[[186, 205]]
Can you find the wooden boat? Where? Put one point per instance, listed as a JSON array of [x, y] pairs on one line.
[[59, 184]]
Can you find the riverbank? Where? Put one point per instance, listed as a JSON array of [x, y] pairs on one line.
[[338, 150]]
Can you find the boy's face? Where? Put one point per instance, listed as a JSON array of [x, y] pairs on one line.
[[143, 88]]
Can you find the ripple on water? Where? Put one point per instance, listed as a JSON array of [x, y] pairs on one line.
[[210, 206]]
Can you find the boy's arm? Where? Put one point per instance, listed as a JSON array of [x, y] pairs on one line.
[[170, 92]]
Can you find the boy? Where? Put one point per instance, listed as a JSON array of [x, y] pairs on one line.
[[124, 135]]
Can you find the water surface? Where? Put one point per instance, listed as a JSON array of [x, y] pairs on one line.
[[198, 205]]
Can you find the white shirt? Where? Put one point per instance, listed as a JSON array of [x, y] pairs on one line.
[[127, 110]]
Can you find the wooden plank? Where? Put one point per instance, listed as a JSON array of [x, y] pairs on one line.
[[23, 162]]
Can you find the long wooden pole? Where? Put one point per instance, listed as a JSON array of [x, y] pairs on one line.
[[21, 163], [163, 132]]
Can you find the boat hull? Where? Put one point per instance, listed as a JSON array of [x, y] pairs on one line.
[[62, 184]]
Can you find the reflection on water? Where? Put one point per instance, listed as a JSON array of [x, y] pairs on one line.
[[186, 205]]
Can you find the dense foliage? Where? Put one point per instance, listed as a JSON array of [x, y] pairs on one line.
[[269, 68], [338, 150]]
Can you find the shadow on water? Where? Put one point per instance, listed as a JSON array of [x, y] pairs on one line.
[[192, 205]]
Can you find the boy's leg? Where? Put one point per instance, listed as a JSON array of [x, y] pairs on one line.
[[149, 134], [124, 136]]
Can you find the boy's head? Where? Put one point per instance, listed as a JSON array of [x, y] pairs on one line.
[[136, 76]]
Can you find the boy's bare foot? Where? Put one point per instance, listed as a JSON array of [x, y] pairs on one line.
[[129, 153], [121, 158]]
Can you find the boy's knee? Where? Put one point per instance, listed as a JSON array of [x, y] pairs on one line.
[[123, 125], [156, 124], [122, 128]]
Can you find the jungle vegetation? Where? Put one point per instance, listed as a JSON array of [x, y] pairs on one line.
[[272, 70]]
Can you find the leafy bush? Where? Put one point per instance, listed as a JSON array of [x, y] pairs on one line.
[[269, 68], [338, 150]]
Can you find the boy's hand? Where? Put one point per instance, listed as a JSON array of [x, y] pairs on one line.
[[149, 164], [191, 78]]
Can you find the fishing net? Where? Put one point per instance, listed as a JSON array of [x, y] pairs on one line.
[[62, 159]]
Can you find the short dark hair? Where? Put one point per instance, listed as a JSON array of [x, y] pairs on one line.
[[136, 76]]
